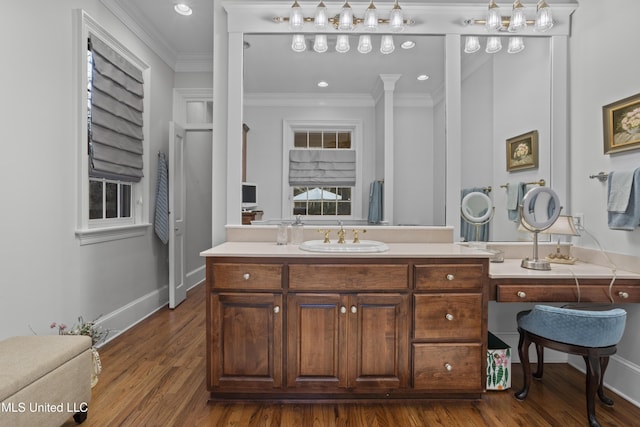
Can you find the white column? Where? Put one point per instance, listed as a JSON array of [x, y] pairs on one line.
[[234, 130], [453, 126], [389, 81]]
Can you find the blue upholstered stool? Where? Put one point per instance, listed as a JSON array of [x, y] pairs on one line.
[[590, 334]]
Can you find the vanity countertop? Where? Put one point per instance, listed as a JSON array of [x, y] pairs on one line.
[[396, 250], [510, 269]]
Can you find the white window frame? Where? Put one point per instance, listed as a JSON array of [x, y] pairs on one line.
[[104, 230], [289, 127]]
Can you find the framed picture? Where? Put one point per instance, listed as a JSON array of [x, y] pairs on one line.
[[522, 151], [622, 125]]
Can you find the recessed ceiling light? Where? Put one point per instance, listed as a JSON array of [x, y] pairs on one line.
[[409, 44], [423, 77], [322, 83], [183, 9]]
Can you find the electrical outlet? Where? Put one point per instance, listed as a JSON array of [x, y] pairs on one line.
[[578, 220]]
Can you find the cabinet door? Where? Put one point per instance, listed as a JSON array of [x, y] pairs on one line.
[[378, 341], [316, 332], [246, 342]]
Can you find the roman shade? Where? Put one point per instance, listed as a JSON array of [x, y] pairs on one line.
[[322, 167], [115, 127]]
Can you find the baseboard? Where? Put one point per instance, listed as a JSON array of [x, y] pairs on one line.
[[126, 317], [624, 374], [195, 277]]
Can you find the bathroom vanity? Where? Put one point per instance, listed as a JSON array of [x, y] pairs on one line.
[[289, 325]]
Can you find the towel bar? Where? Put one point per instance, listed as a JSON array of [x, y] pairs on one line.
[[601, 176], [541, 183]]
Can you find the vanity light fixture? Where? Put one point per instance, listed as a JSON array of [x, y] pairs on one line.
[[183, 9], [494, 21], [342, 43], [345, 20], [494, 44]]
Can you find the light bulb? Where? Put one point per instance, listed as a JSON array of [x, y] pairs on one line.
[[364, 44], [471, 44], [494, 44], [320, 44], [494, 19], [396, 18], [342, 44], [370, 21], [298, 44], [518, 19], [386, 46], [320, 20], [296, 20], [345, 22], [544, 19], [516, 44]]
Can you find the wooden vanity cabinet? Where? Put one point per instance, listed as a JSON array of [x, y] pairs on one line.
[[347, 329]]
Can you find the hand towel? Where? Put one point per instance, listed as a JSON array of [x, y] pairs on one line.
[[161, 223], [375, 202], [630, 218], [619, 191], [512, 195], [514, 213]]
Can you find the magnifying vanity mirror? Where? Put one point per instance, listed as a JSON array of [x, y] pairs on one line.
[[477, 210], [540, 208]]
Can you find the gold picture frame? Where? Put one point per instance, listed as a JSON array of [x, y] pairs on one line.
[[622, 125], [522, 151]]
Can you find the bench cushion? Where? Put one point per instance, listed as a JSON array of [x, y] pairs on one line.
[[23, 360], [584, 328]]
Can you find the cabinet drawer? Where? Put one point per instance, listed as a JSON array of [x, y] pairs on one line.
[[449, 316], [448, 276], [448, 367], [567, 293], [247, 276], [348, 276]]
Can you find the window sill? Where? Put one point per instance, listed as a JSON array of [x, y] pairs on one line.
[[90, 236]]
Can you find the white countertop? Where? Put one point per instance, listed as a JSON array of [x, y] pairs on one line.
[[510, 269], [396, 250]]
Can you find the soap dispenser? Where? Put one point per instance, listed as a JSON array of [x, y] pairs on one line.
[[297, 231]]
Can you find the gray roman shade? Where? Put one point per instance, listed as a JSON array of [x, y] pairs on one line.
[[115, 132], [322, 167]]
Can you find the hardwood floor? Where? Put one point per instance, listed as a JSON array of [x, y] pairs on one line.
[[154, 375]]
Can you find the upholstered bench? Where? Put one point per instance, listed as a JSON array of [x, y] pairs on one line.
[[44, 380], [594, 335]]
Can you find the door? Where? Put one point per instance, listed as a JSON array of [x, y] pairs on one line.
[[177, 223]]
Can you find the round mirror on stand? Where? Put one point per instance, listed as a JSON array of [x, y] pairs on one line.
[[477, 209], [540, 208]]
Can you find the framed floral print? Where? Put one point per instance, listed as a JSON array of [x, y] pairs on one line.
[[622, 125], [522, 151]]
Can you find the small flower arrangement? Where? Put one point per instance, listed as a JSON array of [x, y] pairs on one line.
[[97, 333], [631, 120]]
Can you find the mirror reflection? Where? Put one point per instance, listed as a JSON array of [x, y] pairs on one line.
[[373, 104], [505, 95]]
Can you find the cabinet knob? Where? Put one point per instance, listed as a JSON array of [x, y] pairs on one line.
[[246, 276], [449, 316], [448, 367], [276, 309], [522, 294], [450, 276], [354, 309], [343, 309], [623, 294]]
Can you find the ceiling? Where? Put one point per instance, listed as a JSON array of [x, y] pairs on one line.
[[186, 44]]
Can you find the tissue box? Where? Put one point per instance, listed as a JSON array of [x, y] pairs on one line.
[[498, 364]]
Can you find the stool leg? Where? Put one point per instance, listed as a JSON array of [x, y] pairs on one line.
[[523, 350], [593, 382], [540, 367], [604, 362]]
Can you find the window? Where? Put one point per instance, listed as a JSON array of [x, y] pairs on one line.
[[322, 172], [111, 137]]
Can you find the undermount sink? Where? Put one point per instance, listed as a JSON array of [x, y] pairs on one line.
[[364, 246]]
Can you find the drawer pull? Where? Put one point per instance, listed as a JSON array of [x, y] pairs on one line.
[[450, 276], [354, 309], [522, 294], [449, 316], [623, 294], [276, 309], [246, 276], [448, 367], [343, 309]]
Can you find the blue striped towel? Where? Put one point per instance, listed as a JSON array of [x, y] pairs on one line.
[[161, 224]]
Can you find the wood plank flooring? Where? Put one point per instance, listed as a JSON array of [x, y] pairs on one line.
[[154, 375]]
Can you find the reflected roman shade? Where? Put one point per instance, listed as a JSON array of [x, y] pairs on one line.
[[322, 167], [115, 132]]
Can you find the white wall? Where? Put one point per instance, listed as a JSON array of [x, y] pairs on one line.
[[602, 71], [46, 275]]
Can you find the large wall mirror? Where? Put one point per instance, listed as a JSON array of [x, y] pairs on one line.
[[281, 87]]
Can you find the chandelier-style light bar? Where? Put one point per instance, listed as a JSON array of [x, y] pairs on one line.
[[342, 43], [494, 44], [494, 21], [346, 19]]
